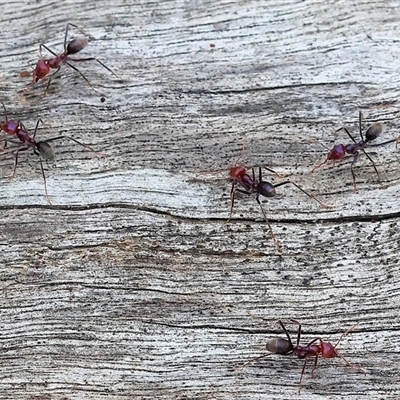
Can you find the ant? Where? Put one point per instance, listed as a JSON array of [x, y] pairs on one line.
[[44, 66], [339, 151], [41, 148], [252, 186], [284, 346]]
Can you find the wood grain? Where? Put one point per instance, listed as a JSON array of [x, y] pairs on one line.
[[131, 285]]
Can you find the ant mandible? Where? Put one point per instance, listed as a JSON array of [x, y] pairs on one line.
[[40, 148], [322, 349], [252, 186], [44, 66], [339, 151]]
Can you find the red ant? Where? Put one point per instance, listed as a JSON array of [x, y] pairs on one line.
[[40, 148], [44, 66], [324, 349], [339, 151], [259, 187]]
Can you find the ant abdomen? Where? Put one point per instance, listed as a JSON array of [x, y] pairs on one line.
[[76, 45], [373, 131], [266, 189], [45, 150], [279, 346]]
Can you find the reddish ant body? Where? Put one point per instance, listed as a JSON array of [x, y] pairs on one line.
[[315, 348], [252, 186], [44, 66], [40, 148], [340, 151]]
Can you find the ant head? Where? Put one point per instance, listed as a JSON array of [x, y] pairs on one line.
[[373, 132], [76, 45], [45, 150], [337, 153], [279, 346], [10, 127], [235, 172], [328, 350], [266, 189], [41, 70]]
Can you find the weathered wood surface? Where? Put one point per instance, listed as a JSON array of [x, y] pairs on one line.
[[131, 285]]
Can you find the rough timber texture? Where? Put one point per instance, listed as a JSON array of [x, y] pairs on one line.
[[131, 285]]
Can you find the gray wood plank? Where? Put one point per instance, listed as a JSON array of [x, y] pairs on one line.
[[132, 284]]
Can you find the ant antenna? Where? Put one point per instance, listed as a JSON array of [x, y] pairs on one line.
[[306, 193]]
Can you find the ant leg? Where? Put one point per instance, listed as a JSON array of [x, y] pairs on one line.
[[340, 356], [348, 134], [270, 170], [373, 164], [5, 111], [49, 81], [278, 247], [65, 37], [3, 149], [15, 165], [49, 50], [306, 193], [346, 333], [352, 365], [378, 145], [232, 196], [352, 170], [36, 127], [359, 124], [310, 141], [299, 332], [383, 143], [287, 333], [45, 182], [16, 162], [66, 33], [94, 59], [83, 76], [29, 86], [301, 376], [252, 360], [99, 154], [41, 167], [268, 320], [280, 323], [315, 365], [320, 165], [233, 191]]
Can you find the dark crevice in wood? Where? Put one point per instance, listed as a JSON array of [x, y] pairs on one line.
[[312, 221], [270, 88]]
